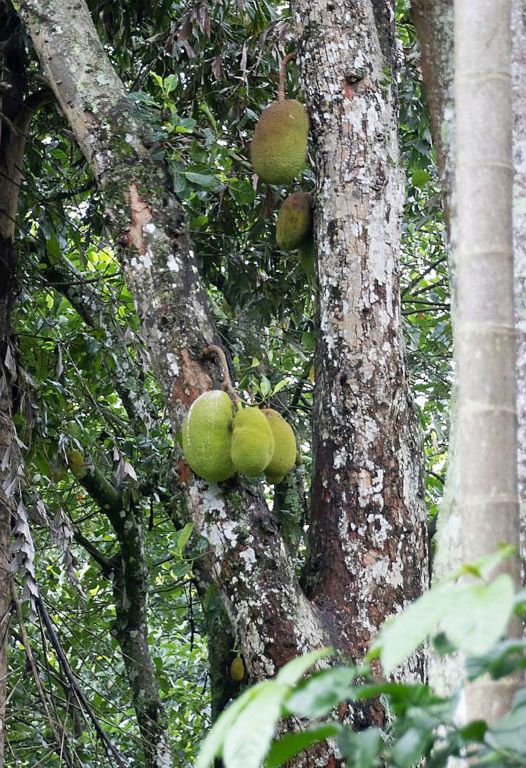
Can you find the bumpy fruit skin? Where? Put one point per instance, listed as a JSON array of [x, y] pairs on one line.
[[294, 224], [76, 463], [252, 442], [237, 669], [207, 434], [284, 456], [279, 146]]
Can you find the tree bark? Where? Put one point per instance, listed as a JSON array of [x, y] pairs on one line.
[[519, 246], [367, 480], [484, 333], [129, 573], [245, 554], [13, 124]]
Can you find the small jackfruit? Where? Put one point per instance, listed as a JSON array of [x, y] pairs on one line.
[[207, 434], [294, 224], [76, 463], [279, 146], [284, 456], [252, 442], [237, 669]]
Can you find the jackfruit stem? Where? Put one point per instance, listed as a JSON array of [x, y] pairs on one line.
[[283, 75], [213, 349]]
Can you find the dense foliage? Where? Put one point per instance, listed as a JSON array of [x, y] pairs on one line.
[[201, 73]]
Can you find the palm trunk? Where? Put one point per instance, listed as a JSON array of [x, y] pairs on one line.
[[486, 456]]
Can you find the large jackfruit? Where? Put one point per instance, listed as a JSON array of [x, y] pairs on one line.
[[279, 146], [294, 224], [284, 456], [207, 434], [252, 442]]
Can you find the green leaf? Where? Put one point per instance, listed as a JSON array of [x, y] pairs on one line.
[[410, 747], [213, 743], [296, 668], [264, 386], [480, 616], [205, 180], [402, 635], [170, 83], [362, 748], [249, 737], [183, 536], [321, 692], [292, 743], [420, 178]]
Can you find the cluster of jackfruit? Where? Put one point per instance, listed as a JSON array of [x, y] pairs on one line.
[[219, 441], [294, 228]]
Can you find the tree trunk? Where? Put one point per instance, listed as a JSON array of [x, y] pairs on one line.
[[519, 245], [486, 456], [367, 481], [129, 573], [12, 129]]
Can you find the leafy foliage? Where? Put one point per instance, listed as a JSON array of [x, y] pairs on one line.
[[422, 725]]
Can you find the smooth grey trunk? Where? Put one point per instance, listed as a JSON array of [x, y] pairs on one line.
[[519, 245], [484, 332], [368, 469]]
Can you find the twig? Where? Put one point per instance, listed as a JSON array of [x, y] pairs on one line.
[[213, 349], [59, 738], [79, 693]]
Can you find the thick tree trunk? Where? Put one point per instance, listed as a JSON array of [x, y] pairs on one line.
[[368, 540]]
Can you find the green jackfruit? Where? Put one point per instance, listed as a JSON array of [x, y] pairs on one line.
[[77, 463], [206, 436], [294, 224], [279, 146], [252, 442], [237, 669], [284, 456]]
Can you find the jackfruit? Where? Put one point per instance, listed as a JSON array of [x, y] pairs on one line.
[[252, 442], [279, 146], [207, 434], [237, 669], [294, 224], [284, 456], [76, 463]]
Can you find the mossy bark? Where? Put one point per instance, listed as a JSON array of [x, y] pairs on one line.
[[368, 464]]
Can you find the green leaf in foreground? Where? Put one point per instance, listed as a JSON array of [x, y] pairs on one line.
[[292, 743]]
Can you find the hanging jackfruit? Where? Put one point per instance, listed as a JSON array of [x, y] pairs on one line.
[[294, 224], [237, 669], [77, 463], [284, 456], [252, 442], [279, 146], [207, 434]]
